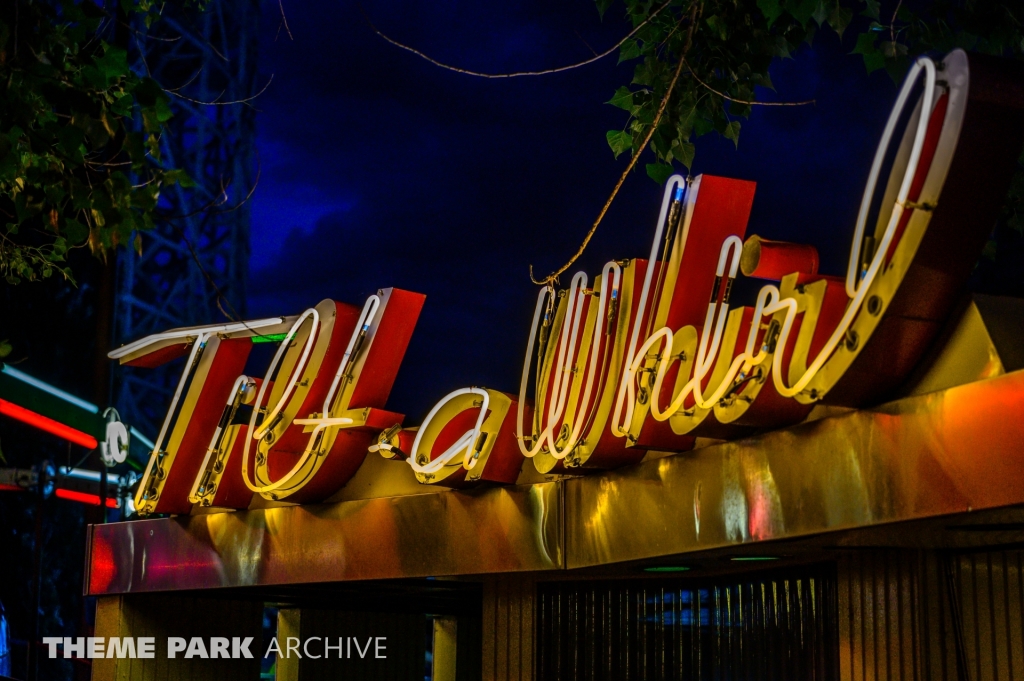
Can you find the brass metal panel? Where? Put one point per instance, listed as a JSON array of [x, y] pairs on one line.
[[928, 455], [968, 354], [485, 531]]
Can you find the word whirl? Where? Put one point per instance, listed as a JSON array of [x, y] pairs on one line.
[[650, 355]]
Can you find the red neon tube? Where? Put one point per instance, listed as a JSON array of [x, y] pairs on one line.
[[49, 425], [84, 498]]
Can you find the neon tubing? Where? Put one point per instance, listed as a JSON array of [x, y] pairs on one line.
[[676, 182], [113, 479], [566, 351], [857, 291], [705, 355], [142, 438], [69, 398], [467, 442], [362, 326], [82, 497], [261, 432], [47, 388], [189, 368], [300, 366], [769, 300], [47, 424], [324, 422], [563, 368], [188, 332], [574, 436], [235, 397], [546, 295]]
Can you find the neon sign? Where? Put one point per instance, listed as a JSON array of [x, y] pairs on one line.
[[649, 356]]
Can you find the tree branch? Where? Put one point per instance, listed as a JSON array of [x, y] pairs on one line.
[[284, 21], [514, 74], [746, 101], [632, 161], [216, 103]]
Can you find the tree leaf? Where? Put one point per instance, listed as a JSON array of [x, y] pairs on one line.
[[803, 11], [820, 12], [840, 19], [629, 50], [770, 9], [178, 177], [872, 9], [660, 172], [619, 141], [719, 26], [732, 132], [623, 99], [602, 7], [113, 65], [683, 152]]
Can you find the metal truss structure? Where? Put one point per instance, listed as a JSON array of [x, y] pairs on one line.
[[193, 268]]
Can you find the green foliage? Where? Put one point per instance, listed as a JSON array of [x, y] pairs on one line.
[[731, 44], [75, 168], [898, 34]]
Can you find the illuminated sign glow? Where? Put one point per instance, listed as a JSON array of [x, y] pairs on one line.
[[649, 356]]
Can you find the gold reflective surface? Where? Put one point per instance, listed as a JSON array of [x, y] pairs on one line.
[[936, 454], [504, 529]]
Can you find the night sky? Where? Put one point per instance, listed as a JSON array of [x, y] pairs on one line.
[[380, 169]]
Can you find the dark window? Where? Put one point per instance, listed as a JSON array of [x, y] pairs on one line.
[[742, 628]]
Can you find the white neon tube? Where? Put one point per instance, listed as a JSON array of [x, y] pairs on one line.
[[261, 432], [465, 443], [595, 351], [324, 421], [46, 387], [142, 438], [675, 182], [370, 308], [199, 344], [706, 356], [566, 351], [858, 290], [300, 366], [711, 335], [769, 300], [545, 298], [189, 332], [113, 479], [67, 397], [237, 394]]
